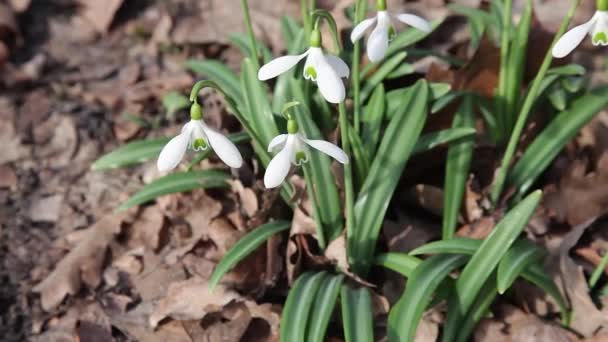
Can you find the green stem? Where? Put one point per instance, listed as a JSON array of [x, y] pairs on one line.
[[252, 42], [316, 211], [597, 273], [356, 73], [527, 108], [348, 173], [504, 65], [306, 17]]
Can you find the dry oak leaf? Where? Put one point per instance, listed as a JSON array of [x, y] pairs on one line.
[[100, 13], [191, 299], [82, 264]]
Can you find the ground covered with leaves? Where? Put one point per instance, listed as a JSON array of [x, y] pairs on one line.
[[81, 77]]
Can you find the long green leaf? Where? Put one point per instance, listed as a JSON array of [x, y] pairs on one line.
[[392, 155], [373, 114], [537, 276], [380, 74], [321, 179], [357, 314], [241, 41], [244, 247], [399, 262], [457, 167], [296, 312], [327, 295], [429, 141], [256, 101], [478, 310], [132, 153], [409, 37], [426, 278], [554, 137], [493, 248], [177, 182], [220, 74], [518, 258], [451, 246]]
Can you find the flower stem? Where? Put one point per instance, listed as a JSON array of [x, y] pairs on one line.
[[306, 17], [253, 46], [316, 211], [501, 114], [348, 173], [527, 108], [359, 15]]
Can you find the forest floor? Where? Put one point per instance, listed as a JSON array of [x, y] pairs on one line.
[[82, 77]]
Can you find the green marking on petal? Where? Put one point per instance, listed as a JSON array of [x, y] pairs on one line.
[[300, 157], [311, 72], [391, 33], [600, 38], [199, 144]]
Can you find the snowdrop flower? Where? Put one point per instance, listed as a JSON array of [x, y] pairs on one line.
[[198, 136], [294, 150], [327, 70], [596, 27], [377, 43]]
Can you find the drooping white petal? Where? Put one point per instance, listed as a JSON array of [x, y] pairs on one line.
[[329, 149], [310, 67], [572, 39], [599, 31], [279, 166], [277, 142], [279, 65], [223, 147], [174, 151], [377, 44], [414, 21], [360, 29], [329, 83], [339, 66]]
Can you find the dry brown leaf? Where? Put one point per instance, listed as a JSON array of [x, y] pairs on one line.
[[8, 178], [191, 299], [248, 198], [83, 264], [336, 253], [100, 13], [46, 209], [147, 229]]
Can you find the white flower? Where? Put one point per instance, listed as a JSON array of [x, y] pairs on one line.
[[327, 70], [597, 28], [378, 40], [196, 135], [294, 150]]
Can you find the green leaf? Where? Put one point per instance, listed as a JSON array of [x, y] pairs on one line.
[[402, 70], [130, 154], [321, 180], [245, 246], [567, 70], [597, 273], [518, 258], [220, 74], [451, 246], [296, 312], [256, 101], [558, 98], [554, 137], [478, 20], [537, 276], [380, 74], [426, 278], [439, 89], [177, 182], [480, 308], [429, 141], [360, 157], [373, 114], [395, 149], [399, 262], [445, 100], [357, 314], [325, 301], [457, 168], [174, 101], [493, 248], [241, 41]]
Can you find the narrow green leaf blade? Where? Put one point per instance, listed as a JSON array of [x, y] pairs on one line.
[[256, 100], [174, 101], [357, 314], [220, 74], [401, 263], [523, 254], [130, 154], [244, 247], [296, 312], [554, 137], [322, 309], [373, 114], [451, 246], [382, 73], [177, 182], [493, 248], [426, 278], [429, 141], [457, 168], [392, 155]]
